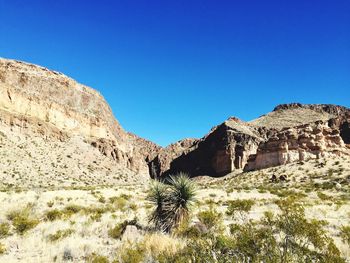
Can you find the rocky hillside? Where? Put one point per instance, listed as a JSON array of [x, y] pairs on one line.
[[290, 133], [39, 103], [53, 127]]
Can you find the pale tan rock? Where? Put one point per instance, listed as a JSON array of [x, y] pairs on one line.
[[314, 141], [50, 104], [131, 234]]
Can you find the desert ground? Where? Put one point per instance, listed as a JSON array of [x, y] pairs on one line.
[[80, 222]]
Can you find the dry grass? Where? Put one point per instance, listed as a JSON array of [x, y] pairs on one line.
[[76, 223], [289, 118], [157, 243]]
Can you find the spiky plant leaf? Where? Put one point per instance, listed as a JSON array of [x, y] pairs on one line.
[[157, 196], [180, 197]]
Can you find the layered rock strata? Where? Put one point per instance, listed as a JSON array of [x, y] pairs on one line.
[[48, 103], [291, 132]]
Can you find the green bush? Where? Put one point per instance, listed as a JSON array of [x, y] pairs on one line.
[[120, 202], [287, 237], [70, 210], [98, 259], [53, 215], [211, 219], [323, 196], [345, 234], [117, 231], [239, 206], [132, 255], [23, 220], [4, 230], [60, 234]]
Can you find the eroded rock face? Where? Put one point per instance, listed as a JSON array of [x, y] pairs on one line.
[[227, 147], [35, 100], [292, 132], [44, 102], [160, 164], [311, 141]]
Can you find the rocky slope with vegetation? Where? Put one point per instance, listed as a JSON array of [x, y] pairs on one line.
[[54, 109], [39, 103], [74, 186]]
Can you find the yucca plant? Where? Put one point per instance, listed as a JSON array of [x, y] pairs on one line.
[[157, 196], [172, 201], [180, 197]]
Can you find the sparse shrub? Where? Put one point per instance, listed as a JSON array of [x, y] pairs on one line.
[[345, 234], [117, 231], [133, 206], [330, 172], [211, 219], [2, 249], [22, 220], [125, 196], [303, 239], [240, 207], [96, 212], [323, 196], [98, 259], [288, 237], [327, 185], [53, 215], [101, 199], [210, 202], [189, 231], [60, 234], [120, 202], [132, 254], [4, 230], [262, 190], [290, 193], [196, 250], [70, 210]]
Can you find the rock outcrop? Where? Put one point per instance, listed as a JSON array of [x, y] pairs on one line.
[[301, 143], [291, 132], [36, 100], [227, 147], [160, 164]]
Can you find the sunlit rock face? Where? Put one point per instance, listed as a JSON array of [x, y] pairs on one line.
[[40, 102], [36, 100], [302, 143], [290, 133]]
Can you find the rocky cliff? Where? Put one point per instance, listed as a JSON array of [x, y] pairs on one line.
[[290, 133], [42, 102], [37, 102]]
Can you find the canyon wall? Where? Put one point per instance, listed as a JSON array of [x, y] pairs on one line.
[[35, 99]]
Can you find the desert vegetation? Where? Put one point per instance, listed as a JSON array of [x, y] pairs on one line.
[[244, 217]]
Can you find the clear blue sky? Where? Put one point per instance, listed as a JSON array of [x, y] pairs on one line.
[[174, 69]]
